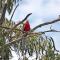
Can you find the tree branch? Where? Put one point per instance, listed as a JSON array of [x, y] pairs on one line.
[[46, 23], [3, 13]]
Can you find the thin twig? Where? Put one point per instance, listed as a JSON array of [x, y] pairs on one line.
[[52, 30], [14, 12]]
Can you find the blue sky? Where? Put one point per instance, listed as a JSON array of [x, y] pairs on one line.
[[42, 11]]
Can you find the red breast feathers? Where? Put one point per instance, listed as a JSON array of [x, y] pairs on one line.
[[26, 26]]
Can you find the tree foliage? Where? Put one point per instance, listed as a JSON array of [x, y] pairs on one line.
[[10, 4], [37, 44]]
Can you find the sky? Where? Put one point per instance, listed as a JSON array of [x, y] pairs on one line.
[[42, 11]]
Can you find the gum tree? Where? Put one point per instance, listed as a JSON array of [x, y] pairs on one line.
[[12, 37]]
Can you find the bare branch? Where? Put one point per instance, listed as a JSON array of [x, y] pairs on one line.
[[14, 12], [46, 23]]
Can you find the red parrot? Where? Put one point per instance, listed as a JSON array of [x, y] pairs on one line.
[[26, 26]]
